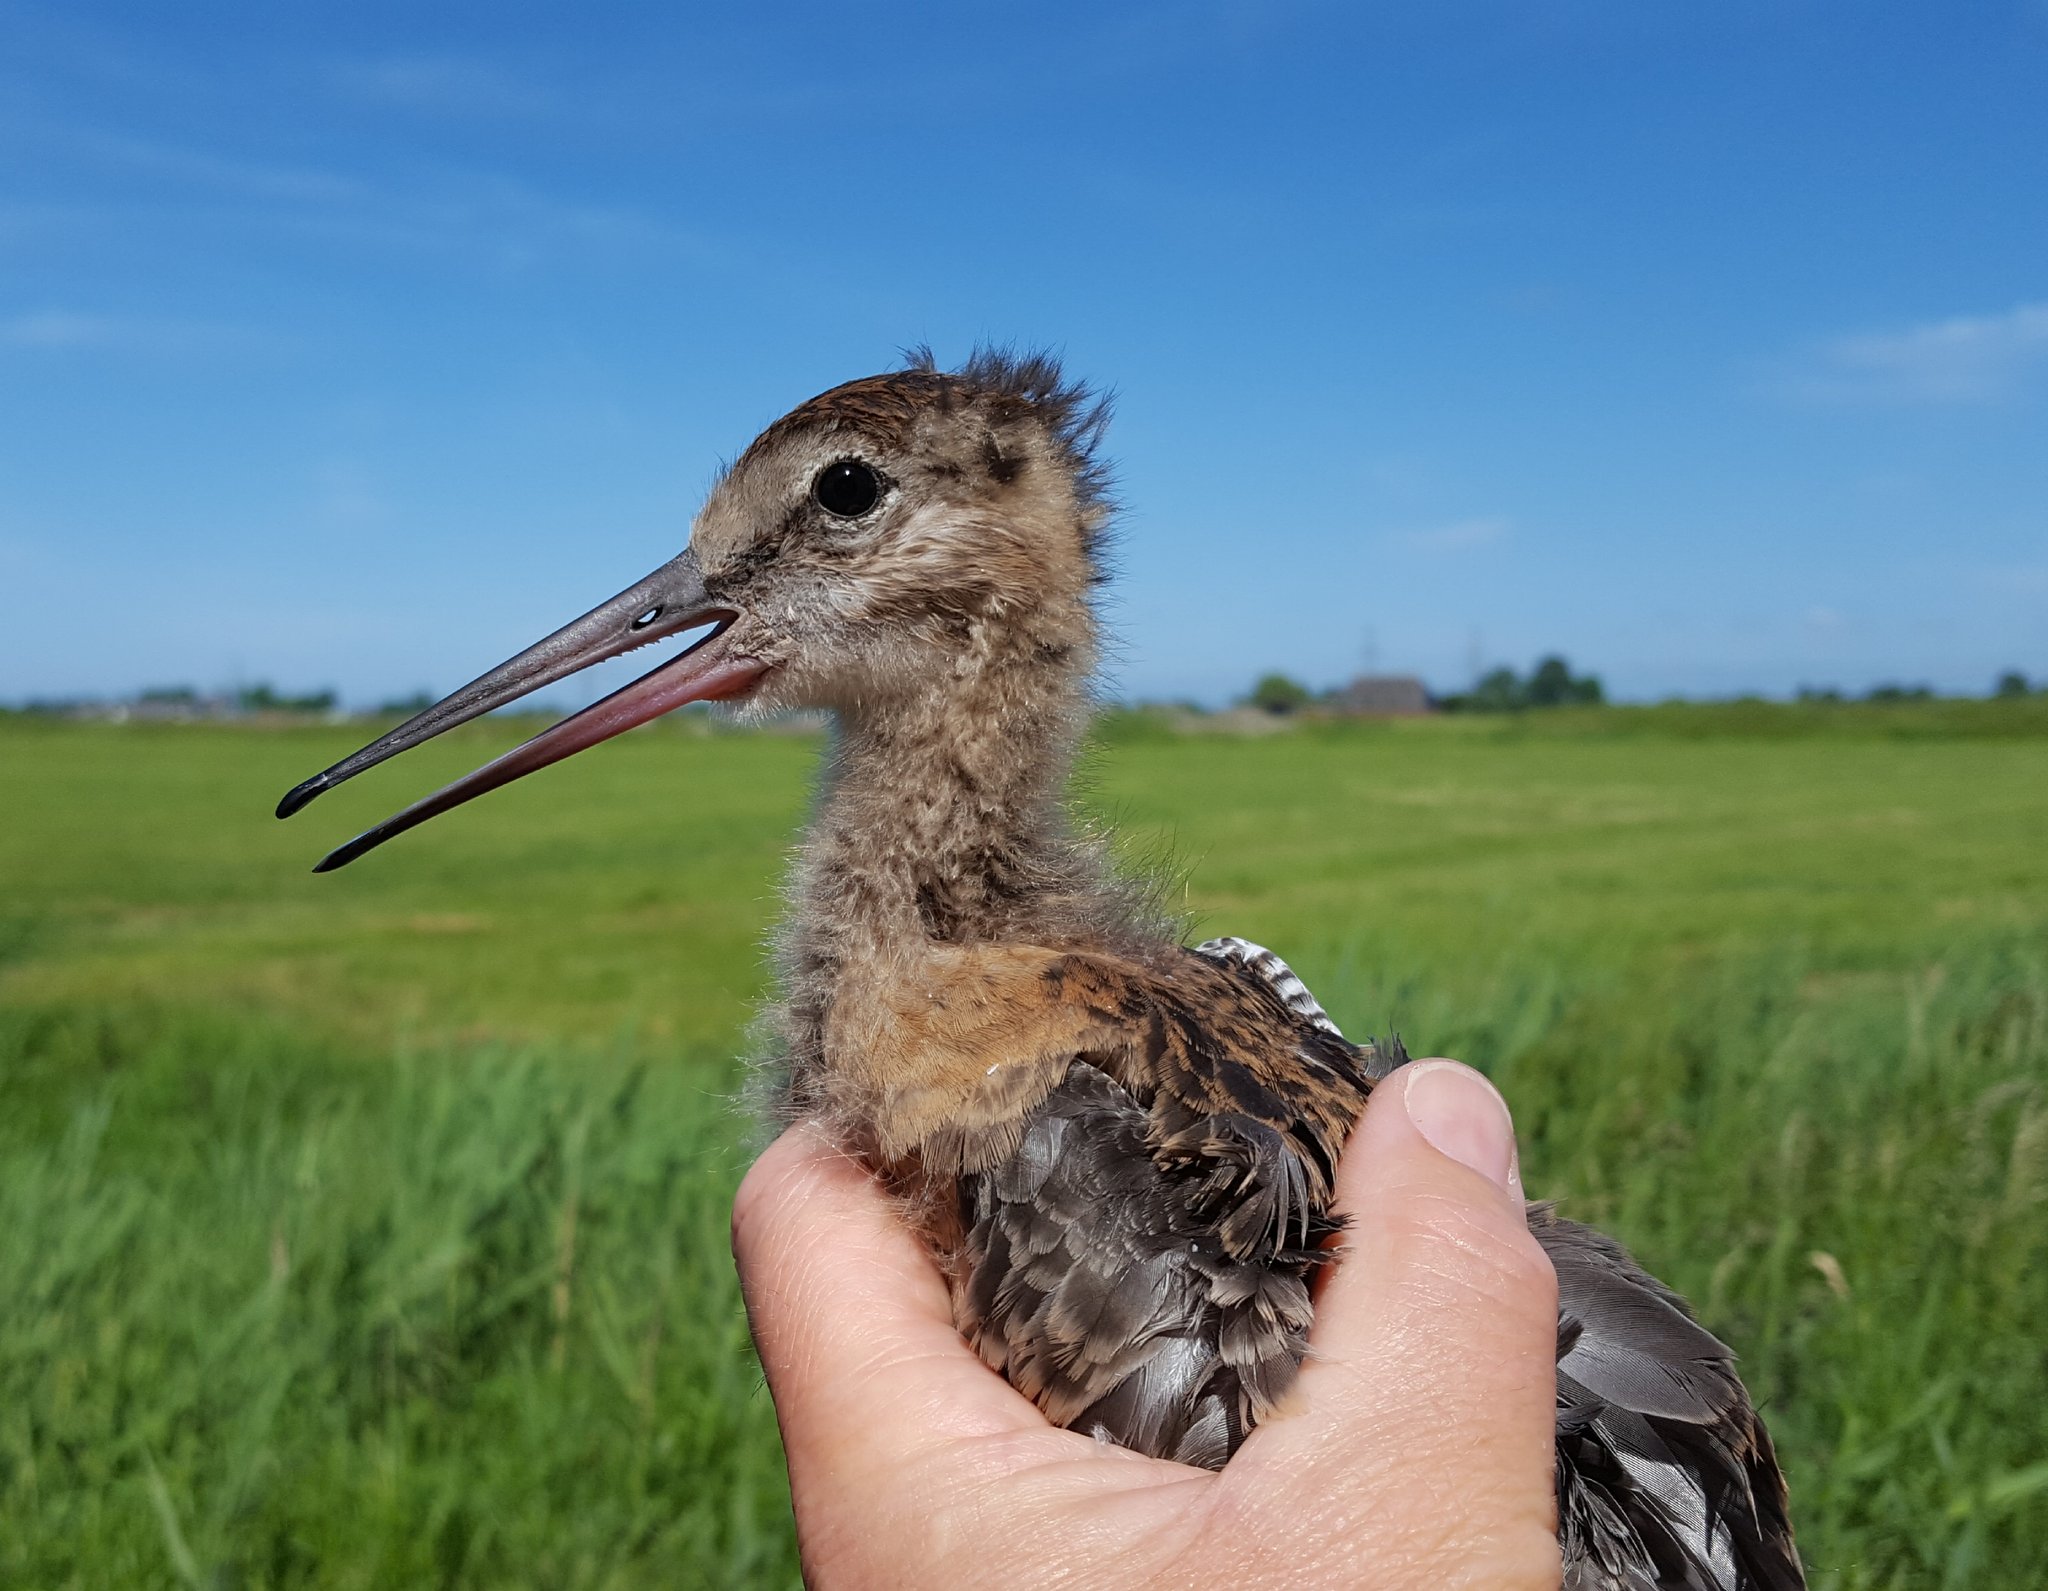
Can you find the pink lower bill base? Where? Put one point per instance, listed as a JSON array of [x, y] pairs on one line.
[[693, 677]]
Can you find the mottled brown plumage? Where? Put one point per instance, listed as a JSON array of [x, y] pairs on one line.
[[1121, 1149]]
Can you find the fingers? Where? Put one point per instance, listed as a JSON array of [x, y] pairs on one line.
[[875, 1391], [850, 1315], [904, 1449], [1435, 1338]]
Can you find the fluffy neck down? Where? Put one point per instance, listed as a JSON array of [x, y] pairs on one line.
[[942, 821]]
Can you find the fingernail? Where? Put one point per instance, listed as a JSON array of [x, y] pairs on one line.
[[1459, 1113]]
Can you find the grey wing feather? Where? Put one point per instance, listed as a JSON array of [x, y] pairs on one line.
[[1091, 1285], [1666, 1477]]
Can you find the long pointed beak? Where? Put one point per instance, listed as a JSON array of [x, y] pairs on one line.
[[670, 600]]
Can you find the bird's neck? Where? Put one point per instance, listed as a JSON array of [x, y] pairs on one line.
[[943, 817], [942, 821]]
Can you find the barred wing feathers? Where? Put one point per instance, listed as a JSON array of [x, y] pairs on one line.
[[1141, 1264]]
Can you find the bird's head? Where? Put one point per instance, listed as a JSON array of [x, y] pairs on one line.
[[869, 551]]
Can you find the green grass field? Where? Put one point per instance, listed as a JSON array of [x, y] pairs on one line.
[[369, 1230]]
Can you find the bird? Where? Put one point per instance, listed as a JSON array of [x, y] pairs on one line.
[[1120, 1148]]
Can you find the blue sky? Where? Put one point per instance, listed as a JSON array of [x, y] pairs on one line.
[[358, 346]]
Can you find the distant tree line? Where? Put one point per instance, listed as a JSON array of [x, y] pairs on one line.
[[2009, 686], [266, 698], [180, 703], [1552, 683]]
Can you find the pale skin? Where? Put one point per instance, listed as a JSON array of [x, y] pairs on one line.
[[1418, 1454]]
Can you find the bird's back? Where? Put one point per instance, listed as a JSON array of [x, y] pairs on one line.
[[1141, 1269]]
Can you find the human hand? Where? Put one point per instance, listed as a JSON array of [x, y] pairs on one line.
[[1418, 1453]]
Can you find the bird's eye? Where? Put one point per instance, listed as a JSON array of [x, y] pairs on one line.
[[847, 489]]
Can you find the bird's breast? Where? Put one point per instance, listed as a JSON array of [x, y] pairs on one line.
[[941, 1054]]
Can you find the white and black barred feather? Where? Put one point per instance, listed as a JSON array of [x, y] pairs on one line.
[[1282, 979]]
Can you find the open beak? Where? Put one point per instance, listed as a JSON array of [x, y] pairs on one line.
[[669, 601]]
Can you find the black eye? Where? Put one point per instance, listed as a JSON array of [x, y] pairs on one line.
[[847, 488]]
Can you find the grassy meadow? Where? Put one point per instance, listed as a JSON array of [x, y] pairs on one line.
[[369, 1230]]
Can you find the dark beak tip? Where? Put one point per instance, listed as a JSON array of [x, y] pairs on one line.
[[298, 796], [342, 855]]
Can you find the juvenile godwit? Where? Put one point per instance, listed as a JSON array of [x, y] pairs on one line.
[[1120, 1148]]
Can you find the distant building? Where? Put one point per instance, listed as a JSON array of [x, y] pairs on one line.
[[1383, 696]]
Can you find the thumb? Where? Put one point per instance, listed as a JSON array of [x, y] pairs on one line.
[[851, 1317], [1435, 1340]]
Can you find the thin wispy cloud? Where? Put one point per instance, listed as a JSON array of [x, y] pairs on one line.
[[1459, 535], [59, 331], [444, 85], [484, 221], [180, 166], [55, 329], [1964, 359], [484, 215]]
